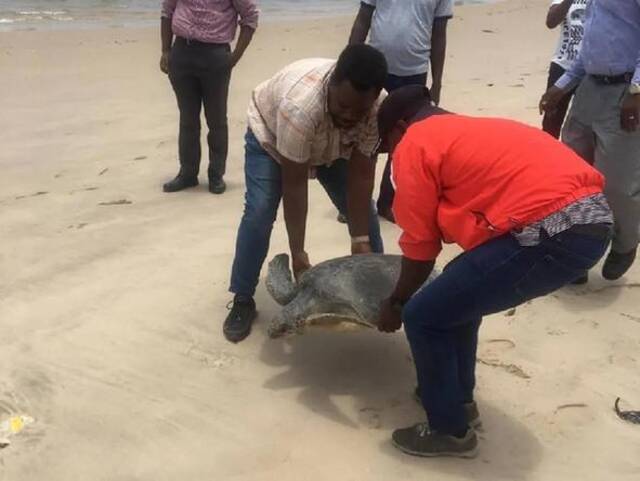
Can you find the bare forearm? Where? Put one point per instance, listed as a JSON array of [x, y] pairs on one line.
[[557, 13], [295, 205], [359, 33], [244, 39], [412, 275], [166, 34], [361, 25], [438, 50], [361, 176]]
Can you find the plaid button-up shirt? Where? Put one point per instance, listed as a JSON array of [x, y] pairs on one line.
[[289, 116]]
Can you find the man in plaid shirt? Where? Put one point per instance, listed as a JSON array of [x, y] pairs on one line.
[[315, 116]]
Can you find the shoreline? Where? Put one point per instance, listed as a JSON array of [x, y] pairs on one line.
[[61, 21]]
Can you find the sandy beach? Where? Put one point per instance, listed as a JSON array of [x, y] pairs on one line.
[[113, 294]]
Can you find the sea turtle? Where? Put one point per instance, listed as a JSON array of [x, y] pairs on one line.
[[342, 291]]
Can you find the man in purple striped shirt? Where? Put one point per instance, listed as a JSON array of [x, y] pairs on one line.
[[199, 64]]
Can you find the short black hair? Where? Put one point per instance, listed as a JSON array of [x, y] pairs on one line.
[[363, 66], [401, 104]]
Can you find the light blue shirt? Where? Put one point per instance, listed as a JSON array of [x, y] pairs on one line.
[[401, 30], [611, 43]]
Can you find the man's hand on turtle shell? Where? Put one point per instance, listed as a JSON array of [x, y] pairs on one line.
[[300, 263], [390, 317]]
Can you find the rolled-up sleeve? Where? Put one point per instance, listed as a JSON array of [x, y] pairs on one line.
[[415, 206], [248, 12], [168, 7]]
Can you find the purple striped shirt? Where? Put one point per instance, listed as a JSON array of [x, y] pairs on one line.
[[210, 21]]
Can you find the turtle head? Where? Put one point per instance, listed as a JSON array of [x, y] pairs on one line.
[[280, 280]]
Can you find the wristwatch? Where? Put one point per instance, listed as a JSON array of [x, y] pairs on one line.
[[634, 88]]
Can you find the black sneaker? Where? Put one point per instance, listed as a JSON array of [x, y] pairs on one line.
[[237, 325], [419, 440], [618, 264], [342, 218], [181, 182], [217, 185], [470, 410], [582, 280]]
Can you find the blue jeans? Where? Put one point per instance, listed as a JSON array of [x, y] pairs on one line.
[[441, 320], [262, 198]]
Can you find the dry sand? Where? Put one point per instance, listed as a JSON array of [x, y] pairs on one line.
[[111, 312]]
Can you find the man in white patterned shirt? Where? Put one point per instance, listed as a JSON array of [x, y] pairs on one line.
[[315, 115]]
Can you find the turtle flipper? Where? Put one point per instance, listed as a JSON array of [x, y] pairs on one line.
[[292, 317], [280, 280]]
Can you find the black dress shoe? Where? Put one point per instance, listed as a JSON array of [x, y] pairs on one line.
[[237, 326], [617, 264], [217, 185], [180, 183], [342, 218]]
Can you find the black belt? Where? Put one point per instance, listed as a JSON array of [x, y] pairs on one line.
[[192, 42], [623, 78]]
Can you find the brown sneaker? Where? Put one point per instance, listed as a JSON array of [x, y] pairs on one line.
[[419, 440]]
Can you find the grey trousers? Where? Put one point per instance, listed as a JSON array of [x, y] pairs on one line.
[[200, 74], [593, 131]]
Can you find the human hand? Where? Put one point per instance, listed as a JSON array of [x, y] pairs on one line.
[[300, 263], [435, 90], [234, 58], [630, 112], [390, 316], [550, 99], [164, 62]]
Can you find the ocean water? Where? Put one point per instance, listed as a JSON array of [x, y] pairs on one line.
[[56, 14]]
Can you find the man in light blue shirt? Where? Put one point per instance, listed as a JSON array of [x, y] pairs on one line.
[[412, 35], [604, 122]]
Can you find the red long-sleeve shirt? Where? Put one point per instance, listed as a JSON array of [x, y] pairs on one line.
[[467, 180]]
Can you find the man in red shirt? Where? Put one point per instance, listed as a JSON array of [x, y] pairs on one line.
[[530, 216]]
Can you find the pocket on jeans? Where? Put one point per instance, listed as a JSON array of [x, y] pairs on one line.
[[547, 275]]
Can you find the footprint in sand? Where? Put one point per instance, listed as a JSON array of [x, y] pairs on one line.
[[103, 171], [35, 194], [140, 157], [371, 417], [214, 359], [85, 189], [79, 226], [117, 202], [490, 354], [629, 316]]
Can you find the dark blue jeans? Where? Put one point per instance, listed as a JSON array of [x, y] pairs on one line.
[[386, 195], [262, 199], [442, 319]]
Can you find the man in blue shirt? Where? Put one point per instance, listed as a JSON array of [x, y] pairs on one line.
[[604, 122]]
